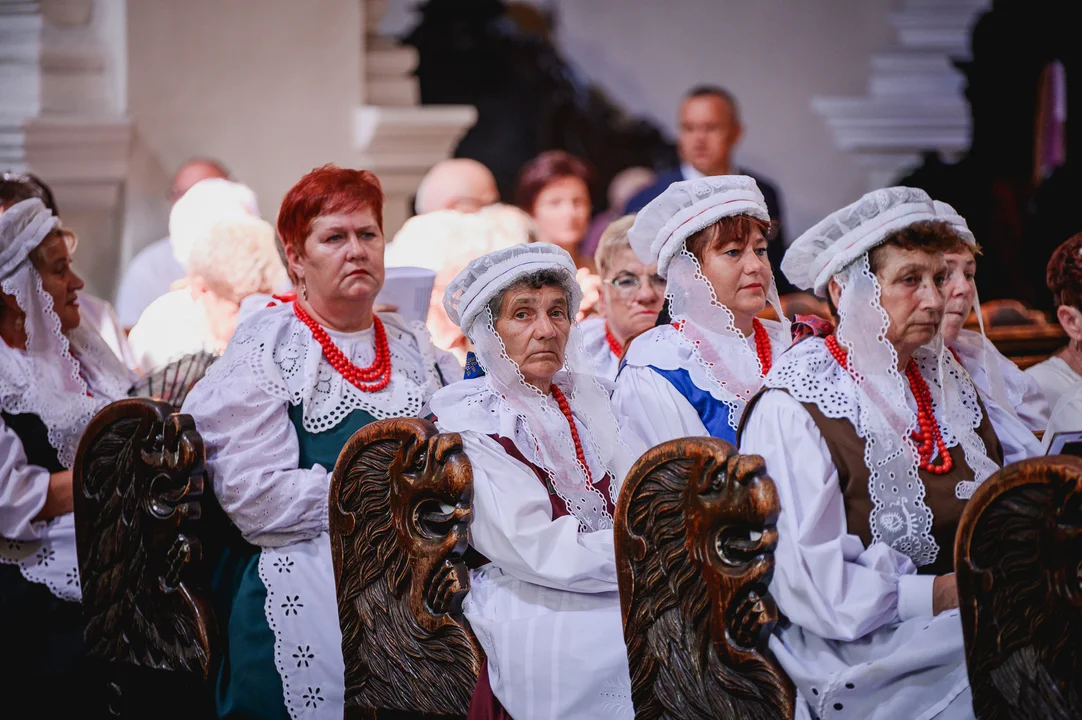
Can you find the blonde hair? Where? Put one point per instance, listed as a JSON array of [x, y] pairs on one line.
[[238, 257], [613, 239]]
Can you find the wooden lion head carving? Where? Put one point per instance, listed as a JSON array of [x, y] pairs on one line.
[[695, 539], [401, 505], [1018, 559], [138, 483]]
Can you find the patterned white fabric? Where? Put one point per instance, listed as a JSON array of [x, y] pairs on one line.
[[843, 236], [596, 346], [253, 456], [862, 640], [546, 609], [503, 398], [686, 207]]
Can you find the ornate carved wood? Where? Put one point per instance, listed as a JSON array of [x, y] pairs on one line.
[[695, 539], [138, 484], [1018, 559], [400, 508]]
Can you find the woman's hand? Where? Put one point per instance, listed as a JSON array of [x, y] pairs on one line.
[[59, 498], [591, 292], [944, 593]]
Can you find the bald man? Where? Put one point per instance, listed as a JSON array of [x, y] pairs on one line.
[[154, 269], [458, 184]]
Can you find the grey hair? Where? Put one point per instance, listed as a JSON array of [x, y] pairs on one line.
[[534, 281]]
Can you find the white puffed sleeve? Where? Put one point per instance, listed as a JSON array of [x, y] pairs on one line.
[[1034, 410], [513, 526], [252, 457], [23, 489], [651, 409], [1015, 438], [825, 580]]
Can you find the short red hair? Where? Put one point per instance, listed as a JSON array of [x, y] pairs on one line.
[[324, 191], [544, 169], [1064, 275]]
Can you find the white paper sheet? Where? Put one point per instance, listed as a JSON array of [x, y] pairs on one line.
[[410, 288]]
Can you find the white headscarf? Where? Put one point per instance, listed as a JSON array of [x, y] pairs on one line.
[[838, 247], [503, 403], [50, 378], [706, 326]]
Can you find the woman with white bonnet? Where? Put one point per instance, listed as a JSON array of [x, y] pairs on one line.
[[55, 375], [631, 297], [875, 438], [294, 384], [708, 238], [548, 461], [1014, 401]]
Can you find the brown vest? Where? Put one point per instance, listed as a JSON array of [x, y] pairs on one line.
[[847, 453]]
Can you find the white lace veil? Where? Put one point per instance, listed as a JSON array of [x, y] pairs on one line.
[[541, 432], [50, 378], [706, 326], [883, 418]]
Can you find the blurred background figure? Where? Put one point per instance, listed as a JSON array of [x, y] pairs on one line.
[[230, 255], [624, 186], [631, 295], [709, 129], [554, 188], [457, 184], [1058, 373], [446, 241], [151, 273]]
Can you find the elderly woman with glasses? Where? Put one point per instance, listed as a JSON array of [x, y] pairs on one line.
[[295, 382], [548, 461], [631, 298], [55, 375], [694, 377]]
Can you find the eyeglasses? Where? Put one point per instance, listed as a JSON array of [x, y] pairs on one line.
[[626, 283]]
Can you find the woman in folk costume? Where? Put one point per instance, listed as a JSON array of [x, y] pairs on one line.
[[1014, 401], [875, 437], [631, 297], [295, 382], [547, 461], [55, 375], [695, 376]]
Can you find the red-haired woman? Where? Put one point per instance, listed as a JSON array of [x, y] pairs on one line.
[[1059, 372], [296, 381], [554, 188]]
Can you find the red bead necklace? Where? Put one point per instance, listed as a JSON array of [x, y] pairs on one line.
[[614, 344], [928, 437], [565, 408], [361, 378], [762, 346]]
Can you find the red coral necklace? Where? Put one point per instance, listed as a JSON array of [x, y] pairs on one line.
[[361, 378], [614, 344], [763, 347], [928, 437], [565, 408]]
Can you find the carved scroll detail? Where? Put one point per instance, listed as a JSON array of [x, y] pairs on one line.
[[1018, 559], [400, 506], [138, 484], [695, 539]]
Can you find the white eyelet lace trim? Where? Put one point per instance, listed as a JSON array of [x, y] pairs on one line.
[[52, 560]]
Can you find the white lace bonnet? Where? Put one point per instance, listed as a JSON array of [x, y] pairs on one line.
[[842, 237], [503, 402], [838, 247], [686, 207], [45, 379], [207, 203]]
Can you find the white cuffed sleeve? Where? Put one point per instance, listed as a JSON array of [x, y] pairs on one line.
[[651, 409], [513, 526], [252, 456], [825, 580], [23, 489], [1015, 438]]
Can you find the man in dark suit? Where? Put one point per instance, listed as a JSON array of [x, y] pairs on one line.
[[709, 130]]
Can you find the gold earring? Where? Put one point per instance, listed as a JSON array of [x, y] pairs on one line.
[[304, 289]]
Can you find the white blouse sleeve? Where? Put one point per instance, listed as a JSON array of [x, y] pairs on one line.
[[1035, 408], [1016, 439], [252, 457], [513, 526], [651, 409], [23, 489], [825, 580]]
